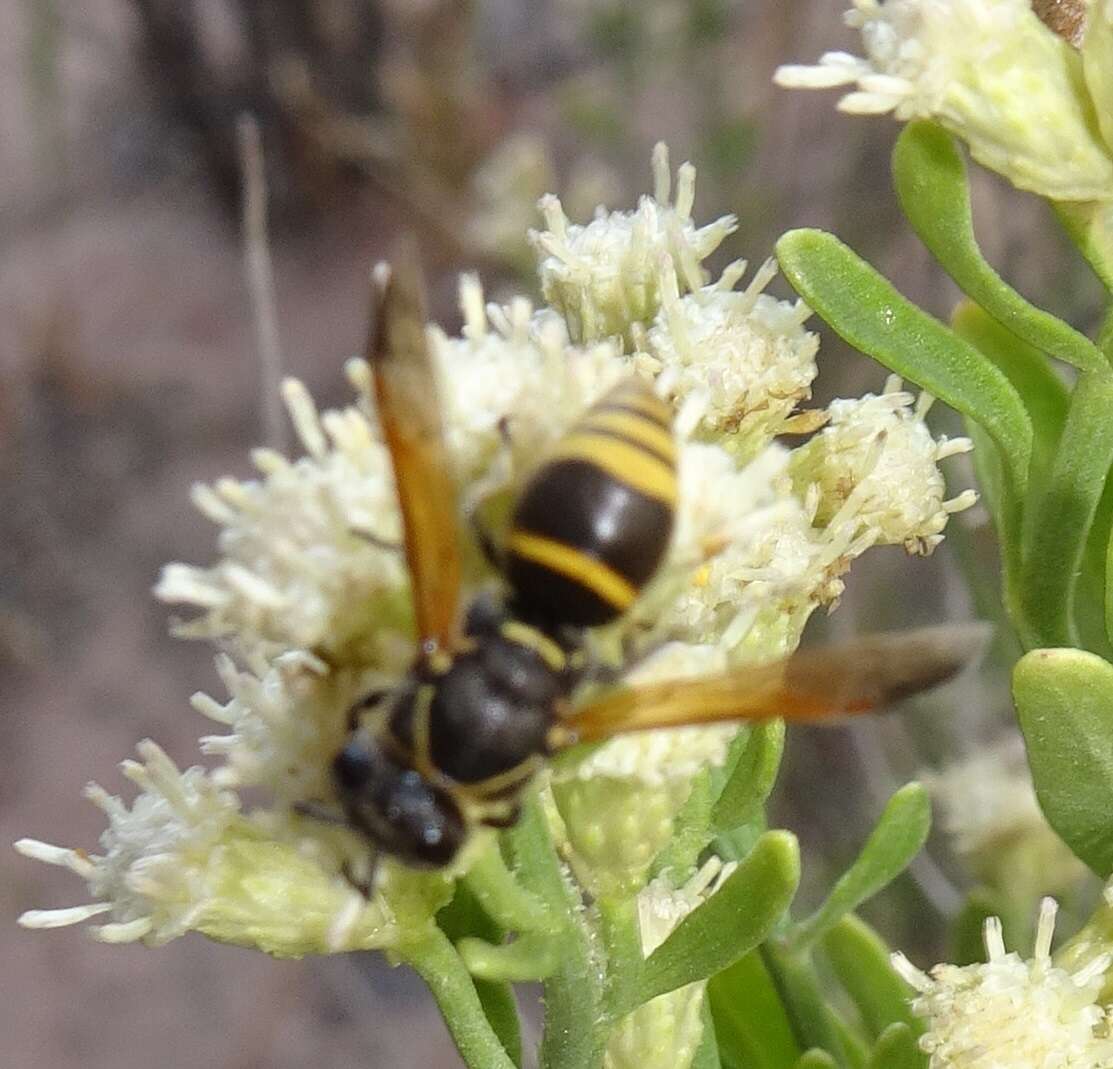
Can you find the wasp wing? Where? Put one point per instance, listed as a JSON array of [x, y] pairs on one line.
[[409, 410], [812, 685]]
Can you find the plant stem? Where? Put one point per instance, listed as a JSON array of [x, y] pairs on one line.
[[574, 1021], [436, 961]]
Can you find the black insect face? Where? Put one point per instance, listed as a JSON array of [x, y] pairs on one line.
[[399, 811]]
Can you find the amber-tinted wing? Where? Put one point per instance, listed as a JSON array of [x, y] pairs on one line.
[[409, 409], [814, 684]]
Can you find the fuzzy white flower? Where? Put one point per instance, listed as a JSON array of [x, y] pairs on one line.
[[605, 277], [990, 812], [988, 70], [744, 351], [875, 467], [307, 556], [1013, 1012], [666, 1031], [183, 857]]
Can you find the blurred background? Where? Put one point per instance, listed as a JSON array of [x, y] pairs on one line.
[[129, 368]]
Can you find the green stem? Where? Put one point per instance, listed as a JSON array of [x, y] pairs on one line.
[[436, 961], [575, 1030], [622, 942], [502, 897]]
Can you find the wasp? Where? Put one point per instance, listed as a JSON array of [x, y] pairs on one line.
[[492, 691]]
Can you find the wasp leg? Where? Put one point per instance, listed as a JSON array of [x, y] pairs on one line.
[[320, 812], [507, 820], [363, 882], [368, 701], [389, 545]]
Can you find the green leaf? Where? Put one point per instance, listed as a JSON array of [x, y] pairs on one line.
[[1061, 518], [816, 1059], [893, 843], [929, 174], [866, 311], [897, 1049], [1042, 391], [750, 1019], [860, 960], [730, 923], [752, 778], [1064, 699], [691, 832], [813, 1020]]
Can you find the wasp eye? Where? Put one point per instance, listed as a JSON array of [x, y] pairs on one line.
[[353, 766]]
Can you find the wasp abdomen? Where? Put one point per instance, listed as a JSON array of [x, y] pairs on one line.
[[593, 523]]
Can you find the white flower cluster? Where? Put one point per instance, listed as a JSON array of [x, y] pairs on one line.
[[605, 277], [989, 811], [1013, 1012], [1022, 97], [310, 599]]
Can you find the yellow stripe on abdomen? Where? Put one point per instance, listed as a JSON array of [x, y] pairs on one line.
[[574, 565], [624, 461], [632, 426]]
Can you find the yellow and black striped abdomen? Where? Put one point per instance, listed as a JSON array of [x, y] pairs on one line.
[[594, 521]]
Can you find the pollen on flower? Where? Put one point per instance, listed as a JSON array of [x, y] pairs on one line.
[[988, 70], [666, 1032], [744, 351], [1011, 1011], [874, 467], [605, 277]]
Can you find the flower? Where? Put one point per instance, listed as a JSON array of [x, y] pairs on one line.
[[990, 812], [745, 352], [666, 1031], [989, 71], [874, 466], [1012, 1012], [184, 857], [308, 598], [605, 277]]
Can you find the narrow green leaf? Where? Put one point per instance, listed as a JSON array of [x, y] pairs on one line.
[[897, 1049], [855, 1051], [1064, 699], [813, 1020], [865, 310], [730, 923], [893, 843], [860, 960], [752, 779], [1042, 391], [750, 1019], [929, 174], [816, 1059], [1061, 518], [691, 832]]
